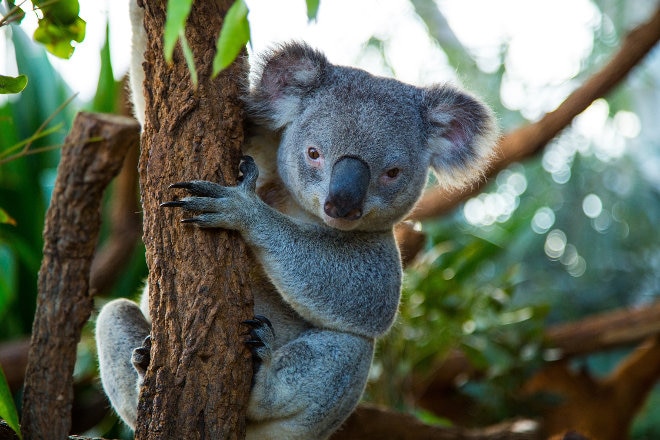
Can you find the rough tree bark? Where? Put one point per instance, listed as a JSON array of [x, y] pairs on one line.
[[91, 157], [198, 381]]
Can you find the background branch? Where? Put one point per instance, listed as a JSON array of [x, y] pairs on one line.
[[91, 157], [529, 140]]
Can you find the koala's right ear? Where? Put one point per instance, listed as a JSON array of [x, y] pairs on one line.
[[287, 75]]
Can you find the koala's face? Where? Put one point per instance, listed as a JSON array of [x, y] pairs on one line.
[[356, 158], [356, 149]]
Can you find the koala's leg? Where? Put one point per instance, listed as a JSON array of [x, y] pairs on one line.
[[308, 387], [120, 329]]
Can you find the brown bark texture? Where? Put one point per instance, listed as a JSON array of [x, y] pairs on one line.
[[600, 408], [92, 155], [530, 139], [198, 381]]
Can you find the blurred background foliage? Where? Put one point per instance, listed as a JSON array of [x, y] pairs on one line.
[[567, 234]]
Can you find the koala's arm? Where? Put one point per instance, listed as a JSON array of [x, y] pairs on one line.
[[348, 281], [345, 281]]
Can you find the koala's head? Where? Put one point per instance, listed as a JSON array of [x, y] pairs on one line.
[[356, 149]]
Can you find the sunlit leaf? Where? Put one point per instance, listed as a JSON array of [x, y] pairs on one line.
[[60, 12], [234, 35], [10, 84], [190, 60], [57, 38], [7, 406], [312, 9], [175, 24]]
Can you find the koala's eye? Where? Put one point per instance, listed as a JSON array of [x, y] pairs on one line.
[[313, 153], [392, 173]]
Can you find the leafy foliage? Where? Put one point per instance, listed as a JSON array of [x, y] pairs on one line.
[[11, 84], [233, 37], [7, 407], [59, 26]]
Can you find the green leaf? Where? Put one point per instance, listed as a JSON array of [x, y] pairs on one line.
[[57, 38], [61, 12], [175, 24], [312, 9], [7, 406], [10, 84], [190, 60], [6, 218], [234, 35], [106, 89]]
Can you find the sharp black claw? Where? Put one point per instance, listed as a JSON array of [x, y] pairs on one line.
[[184, 185], [258, 321], [172, 204], [189, 220], [254, 343]]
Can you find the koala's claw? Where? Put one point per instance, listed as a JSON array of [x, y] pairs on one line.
[[142, 356], [261, 339], [250, 173], [201, 188]]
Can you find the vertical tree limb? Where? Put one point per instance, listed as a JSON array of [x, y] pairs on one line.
[[198, 382], [91, 157]]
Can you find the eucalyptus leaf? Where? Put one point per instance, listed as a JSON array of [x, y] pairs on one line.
[[190, 60], [175, 24], [57, 38], [11, 84], [7, 406], [234, 35], [312, 9]]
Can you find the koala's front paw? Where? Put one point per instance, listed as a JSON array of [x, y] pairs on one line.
[[220, 206], [261, 340], [142, 357]]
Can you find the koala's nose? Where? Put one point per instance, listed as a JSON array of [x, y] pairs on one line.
[[349, 182]]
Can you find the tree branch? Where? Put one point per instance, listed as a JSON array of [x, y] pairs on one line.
[[370, 422], [531, 139], [93, 153]]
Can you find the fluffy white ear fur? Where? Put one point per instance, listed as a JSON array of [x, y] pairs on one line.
[[284, 77], [462, 135]]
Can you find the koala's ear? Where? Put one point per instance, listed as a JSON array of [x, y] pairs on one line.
[[461, 134], [284, 78]]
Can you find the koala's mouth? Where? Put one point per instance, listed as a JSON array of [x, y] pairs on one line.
[[342, 224]]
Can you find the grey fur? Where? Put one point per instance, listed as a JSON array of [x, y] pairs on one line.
[[331, 274]]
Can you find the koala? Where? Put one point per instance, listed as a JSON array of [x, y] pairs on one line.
[[334, 158]]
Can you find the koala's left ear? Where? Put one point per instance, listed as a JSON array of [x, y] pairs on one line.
[[461, 134]]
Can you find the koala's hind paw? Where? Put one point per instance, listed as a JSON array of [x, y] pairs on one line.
[[261, 339], [142, 356]]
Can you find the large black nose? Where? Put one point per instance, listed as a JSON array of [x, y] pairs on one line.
[[348, 188]]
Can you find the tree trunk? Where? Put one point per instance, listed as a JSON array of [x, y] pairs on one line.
[[198, 380]]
